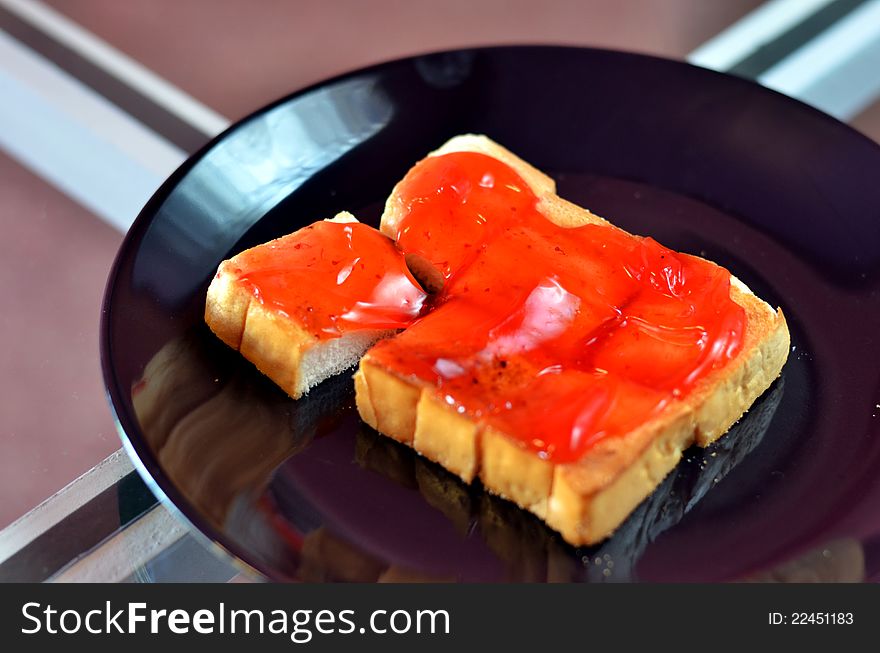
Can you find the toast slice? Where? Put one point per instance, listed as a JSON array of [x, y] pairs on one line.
[[588, 498], [306, 306]]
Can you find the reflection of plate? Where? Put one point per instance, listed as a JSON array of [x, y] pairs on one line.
[[782, 195]]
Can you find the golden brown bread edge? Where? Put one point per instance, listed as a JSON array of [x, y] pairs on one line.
[[279, 347], [587, 500]]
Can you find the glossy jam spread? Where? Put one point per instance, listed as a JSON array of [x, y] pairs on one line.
[[557, 336], [333, 278]]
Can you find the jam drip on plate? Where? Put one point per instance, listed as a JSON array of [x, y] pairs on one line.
[[557, 336], [333, 278]]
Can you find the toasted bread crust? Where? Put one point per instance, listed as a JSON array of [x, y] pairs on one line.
[[586, 500], [275, 345]]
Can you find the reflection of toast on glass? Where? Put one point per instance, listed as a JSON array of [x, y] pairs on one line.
[[220, 432], [326, 557], [531, 551], [177, 379], [681, 492]]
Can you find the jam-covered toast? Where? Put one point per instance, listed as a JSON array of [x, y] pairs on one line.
[[308, 305], [600, 358], [562, 361]]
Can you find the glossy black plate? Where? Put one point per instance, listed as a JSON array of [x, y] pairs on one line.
[[784, 196]]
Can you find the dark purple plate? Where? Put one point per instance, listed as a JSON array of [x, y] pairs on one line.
[[784, 196]]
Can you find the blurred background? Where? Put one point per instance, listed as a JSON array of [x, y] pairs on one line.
[[81, 151]]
